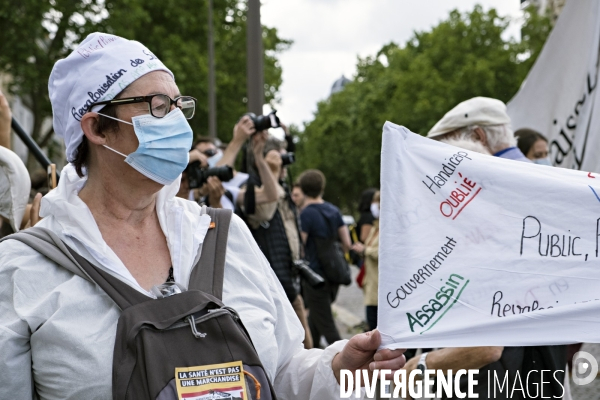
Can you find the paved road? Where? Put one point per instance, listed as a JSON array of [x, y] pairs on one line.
[[349, 312]]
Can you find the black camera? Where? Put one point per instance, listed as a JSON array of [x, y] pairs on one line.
[[198, 176], [287, 159], [311, 277], [264, 122]]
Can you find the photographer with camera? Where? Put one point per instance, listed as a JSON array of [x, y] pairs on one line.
[[202, 180], [274, 226], [263, 189]]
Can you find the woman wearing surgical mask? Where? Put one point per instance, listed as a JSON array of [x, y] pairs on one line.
[[125, 127], [534, 145]]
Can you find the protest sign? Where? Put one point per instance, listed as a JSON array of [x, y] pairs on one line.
[[559, 97], [477, 250]]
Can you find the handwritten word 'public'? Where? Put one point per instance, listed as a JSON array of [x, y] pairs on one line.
[[556, 245]]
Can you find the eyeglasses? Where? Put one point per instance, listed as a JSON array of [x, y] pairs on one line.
[[159, 105]]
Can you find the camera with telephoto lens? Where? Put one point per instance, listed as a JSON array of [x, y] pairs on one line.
[[287, 159], [264, 122], [311, 277], [198, 176]]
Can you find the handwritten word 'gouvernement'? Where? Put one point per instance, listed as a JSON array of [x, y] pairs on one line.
[[438, 303], [446, 172], [422, 274]]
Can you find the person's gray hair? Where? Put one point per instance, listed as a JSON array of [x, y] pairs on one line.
[[468, 144], [498, 137]]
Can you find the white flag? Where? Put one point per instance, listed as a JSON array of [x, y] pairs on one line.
[[559, 97], [477, 250]]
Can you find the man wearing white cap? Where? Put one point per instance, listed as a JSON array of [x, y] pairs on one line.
[[482, 124], [125, 127], [483, 120]]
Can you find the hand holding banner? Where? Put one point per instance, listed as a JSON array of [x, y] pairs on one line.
[[478, 251]]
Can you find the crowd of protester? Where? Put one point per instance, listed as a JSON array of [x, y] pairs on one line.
[[142, 212], [291, 222]]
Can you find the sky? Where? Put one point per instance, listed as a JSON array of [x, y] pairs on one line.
[[329, 35]]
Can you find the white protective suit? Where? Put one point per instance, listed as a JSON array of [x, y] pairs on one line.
[[57, 330], [14, 188]]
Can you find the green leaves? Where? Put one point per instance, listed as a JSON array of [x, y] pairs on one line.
[[177, 32], [462, 57], [35, 34]]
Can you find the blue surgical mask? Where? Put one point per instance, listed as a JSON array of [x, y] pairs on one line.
[[542, 161], [162, 154]]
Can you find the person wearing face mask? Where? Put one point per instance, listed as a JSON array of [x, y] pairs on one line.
[[212, 193], [127, 137], [231, 194], [274, 226], [483, 120], [491, 360], [370, 252], [534, 145]]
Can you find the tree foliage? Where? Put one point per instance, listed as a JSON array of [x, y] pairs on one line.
[[177, 32], [414, 85], [35, 34]]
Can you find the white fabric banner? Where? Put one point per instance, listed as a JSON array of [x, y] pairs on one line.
[[559, 97], [477, 250]]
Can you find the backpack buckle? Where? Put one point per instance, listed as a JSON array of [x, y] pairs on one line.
[[195, 332]]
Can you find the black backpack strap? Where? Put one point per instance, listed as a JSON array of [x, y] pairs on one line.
[[208, 274]]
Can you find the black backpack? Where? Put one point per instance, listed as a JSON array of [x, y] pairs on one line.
[[331, 255], [189, 341]]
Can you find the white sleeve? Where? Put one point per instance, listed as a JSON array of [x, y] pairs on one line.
[[16, 380], [254, 290]]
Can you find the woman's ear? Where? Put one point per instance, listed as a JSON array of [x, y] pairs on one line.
[[89, 125]]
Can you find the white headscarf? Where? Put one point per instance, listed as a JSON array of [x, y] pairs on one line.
[[97, 70]]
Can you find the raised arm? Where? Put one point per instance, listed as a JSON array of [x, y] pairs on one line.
[[241, 132], [267, 193]]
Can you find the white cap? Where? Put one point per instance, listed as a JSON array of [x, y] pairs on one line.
[[97, 70], [15, 186], [476, 111]]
